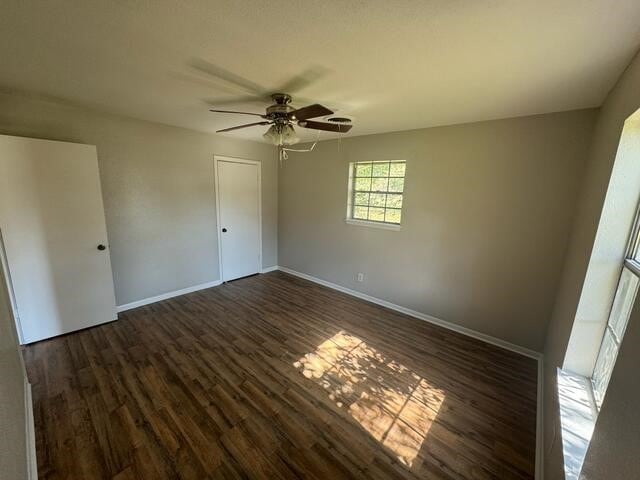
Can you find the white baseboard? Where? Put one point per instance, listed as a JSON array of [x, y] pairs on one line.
[[419, 315], [164, 296], [30, 434], [177, 293], [540, 422]]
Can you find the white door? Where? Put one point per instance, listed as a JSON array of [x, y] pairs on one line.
[[54, 237], [238, 187]]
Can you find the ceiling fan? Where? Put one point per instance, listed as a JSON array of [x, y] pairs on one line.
[[281, 116]]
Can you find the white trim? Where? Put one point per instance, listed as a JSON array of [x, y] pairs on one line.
[[30, 434], [4, 264], [177, 293], [368, 223], [164, 296], [539, 465], [223, 158], [419, 315]]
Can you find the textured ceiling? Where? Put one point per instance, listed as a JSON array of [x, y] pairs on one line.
[[392, 65]]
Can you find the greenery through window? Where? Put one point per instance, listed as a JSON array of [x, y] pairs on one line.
[[376, 191]]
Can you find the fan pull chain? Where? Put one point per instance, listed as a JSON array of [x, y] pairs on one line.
[[283, 150], [282, 154]]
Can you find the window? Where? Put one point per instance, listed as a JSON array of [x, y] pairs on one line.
[[376, 192], [618, 317]]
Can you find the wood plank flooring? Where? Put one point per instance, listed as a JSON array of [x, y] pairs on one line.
[[275, 377]]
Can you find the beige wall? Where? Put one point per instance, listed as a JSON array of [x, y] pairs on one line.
[[488, 207], [13, 441], [622, 101], [158, 188]]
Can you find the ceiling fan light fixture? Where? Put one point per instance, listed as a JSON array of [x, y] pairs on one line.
[[280, 135], [289, 135], [272, 135]]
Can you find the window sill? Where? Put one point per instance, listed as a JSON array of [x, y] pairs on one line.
[[365, 223], [578, 415]]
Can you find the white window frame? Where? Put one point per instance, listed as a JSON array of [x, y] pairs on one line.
[[631, 265], [351, 191]]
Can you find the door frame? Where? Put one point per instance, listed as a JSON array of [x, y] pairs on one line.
[[8, 287], [225, 158]]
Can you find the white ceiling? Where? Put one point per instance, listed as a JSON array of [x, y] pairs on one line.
[[391, 64]]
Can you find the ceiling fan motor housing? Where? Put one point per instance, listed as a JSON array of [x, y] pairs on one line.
[[279, 111]]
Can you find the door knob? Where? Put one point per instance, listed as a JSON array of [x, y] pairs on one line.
[[224, 230], [101, 247]]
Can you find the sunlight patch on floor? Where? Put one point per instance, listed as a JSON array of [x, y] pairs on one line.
[[395, 405]]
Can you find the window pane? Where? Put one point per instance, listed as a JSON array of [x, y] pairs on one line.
[[635, 252], [362, 184], [360, 212], [396, 184], [623, 302], [363, 170], [380, 184], [392, 215], [372, 182], [376, 214], [604, 367], [635, 241], [361, 199], [380, 169], [377, 199], [397, 170], [394, 200]]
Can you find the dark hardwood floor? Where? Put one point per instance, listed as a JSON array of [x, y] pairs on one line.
[[275, 377]]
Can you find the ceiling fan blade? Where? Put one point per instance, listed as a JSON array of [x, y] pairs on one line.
[[204, 82], [241, 113], [302, 81], [242, 126], [227, 76], [327, 127], [217, 102], [310, 111]]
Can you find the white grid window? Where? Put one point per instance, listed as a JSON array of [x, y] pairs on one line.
[[376, 191], [623, 301]]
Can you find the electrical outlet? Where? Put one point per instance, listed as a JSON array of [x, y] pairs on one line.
[[360, 277]]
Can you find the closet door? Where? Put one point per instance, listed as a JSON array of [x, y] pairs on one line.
[[238, 186]]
